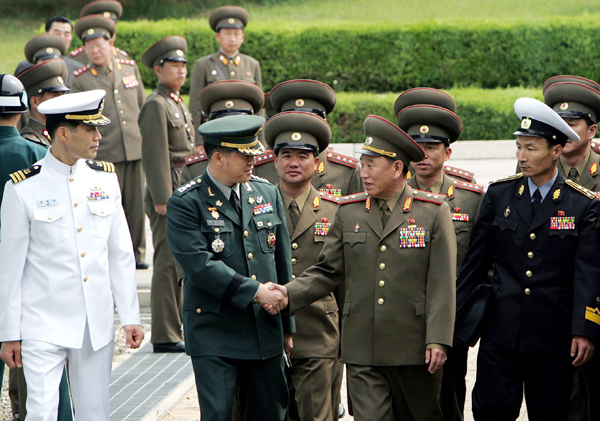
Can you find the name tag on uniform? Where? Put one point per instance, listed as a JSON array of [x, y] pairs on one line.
[[260, 209], [47, 202], [412, 237], [215, 223]]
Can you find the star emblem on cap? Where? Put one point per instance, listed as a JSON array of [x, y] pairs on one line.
[[526, 123], [60, 79], [179, 53], [369, 140]]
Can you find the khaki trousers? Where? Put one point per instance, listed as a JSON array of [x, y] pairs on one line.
[[131, 181]]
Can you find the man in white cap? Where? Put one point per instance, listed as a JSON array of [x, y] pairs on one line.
[[538, 233], [66, 259]]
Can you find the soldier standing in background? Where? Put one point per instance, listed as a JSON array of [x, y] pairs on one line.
[[122, 140], [167, 138]]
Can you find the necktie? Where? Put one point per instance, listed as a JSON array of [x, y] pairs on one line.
[[537, 201], [572, 174], [294, 213], [235, 202], [385, 214]]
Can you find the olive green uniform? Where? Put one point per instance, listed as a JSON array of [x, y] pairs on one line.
[[121, 141], [399, 300], [216, 67], [79, 55], [36, 132], [166, 127]]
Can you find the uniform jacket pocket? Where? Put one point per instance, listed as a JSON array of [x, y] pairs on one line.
[[505, 224], [354, 237], [48, 224], [101, 219]]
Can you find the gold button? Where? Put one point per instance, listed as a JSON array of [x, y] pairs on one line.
[[76, 204], [598, 300], [198, 310], [253, 277], [382, 266], [250, 256], [380, 301], [246, 233], [530, 255], [83, 254], [294, 277], [102, 212], [294, 261], [232, 73], [79, 228], [269, 224], [381, 283], [85, 279], [118, 101], [71, 179], [383, 248], [50, 218], [294, 246], [185, 125], [532, 236], [121, 111], [124, 123], [527, 291], [116, 91], [217, 229], [529, 273]]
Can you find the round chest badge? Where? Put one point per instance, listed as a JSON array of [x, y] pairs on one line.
[[299, 103], [424, 129], [296, 136], [229, 104]]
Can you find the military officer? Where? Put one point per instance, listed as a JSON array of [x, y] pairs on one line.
[[538, 232], [227, 230], [168, 137], [227, 63], [122, 140], [297, 137], [111, 9], [336, 174], [42, 82], [378, 240], [220, 99]]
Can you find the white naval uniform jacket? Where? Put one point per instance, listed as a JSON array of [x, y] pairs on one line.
[[65, 257]]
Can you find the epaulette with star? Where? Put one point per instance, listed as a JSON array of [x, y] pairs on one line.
[[25, 173], [259, 179], [196, 158], [100, 165], [466, 186], [268, 156], [457, 172], [509, 178], [126, 61], [588, 193], [330, 197], [353, 198], [77, 52], [196, 182], [427, 196], [122, 52], [596, 147], [342, 159], [82, 70]]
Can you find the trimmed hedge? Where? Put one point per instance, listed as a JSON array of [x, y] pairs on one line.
[[487, 114], [384, 57]]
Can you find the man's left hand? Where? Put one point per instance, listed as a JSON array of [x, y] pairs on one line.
[[135, 336], [288, 343], [582, 349], [435, 358]]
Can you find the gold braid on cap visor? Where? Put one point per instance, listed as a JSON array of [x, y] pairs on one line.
[[246, 147], [380, 151], [89, 119]]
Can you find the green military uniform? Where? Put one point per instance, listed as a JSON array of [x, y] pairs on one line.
[[316, 341], [168, 137], [121, 141], [225, 256], [374, 261], [219, 66]]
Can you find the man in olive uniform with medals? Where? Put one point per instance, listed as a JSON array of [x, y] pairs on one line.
[[168, 137], [227, 230], [394, 250], [297, 137], [221, 99], [428, 116], [122, 140], [538, 233], [42, 82], [228, 63]]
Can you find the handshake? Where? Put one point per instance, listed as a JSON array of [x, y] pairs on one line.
[[272, 297]]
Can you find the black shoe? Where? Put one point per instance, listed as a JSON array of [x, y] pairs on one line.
[[169, 347], [141, 265], [341, 411]]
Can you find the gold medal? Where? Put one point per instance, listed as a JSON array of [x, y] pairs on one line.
[[271, 240], [214, 213]]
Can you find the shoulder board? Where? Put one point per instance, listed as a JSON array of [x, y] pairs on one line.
[[342, 159], [76, 52], [124, 61], [190, 185], [268, 156], [509, 178], [330, 197], [596, 146], [457, 172], [468, 186], [353, 198], [25, 173], [588, 193], [101, 165], [196, 158], [259, 179], [82, 70], [426, 196], [122, 52]]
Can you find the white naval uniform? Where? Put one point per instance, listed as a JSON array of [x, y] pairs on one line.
[[66, 259]]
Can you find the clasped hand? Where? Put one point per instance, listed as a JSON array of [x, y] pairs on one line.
[[272, 297]]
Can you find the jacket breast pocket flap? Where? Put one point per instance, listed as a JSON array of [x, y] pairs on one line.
[[266, 225], [505, 224], [330, 307], [354, 237], [100, 222], [219, 235], [564, 233], [49, 225]]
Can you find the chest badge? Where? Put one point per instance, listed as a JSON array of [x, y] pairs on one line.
[[457, 216], [412, 237], [130, 81], [251, 200], [97, 193], [562, 222], [259, 199], [219, 203], [218, 245], [357, 227], [507, 211], [214, 213], [322, 227], [260, 209], [271, 240]]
